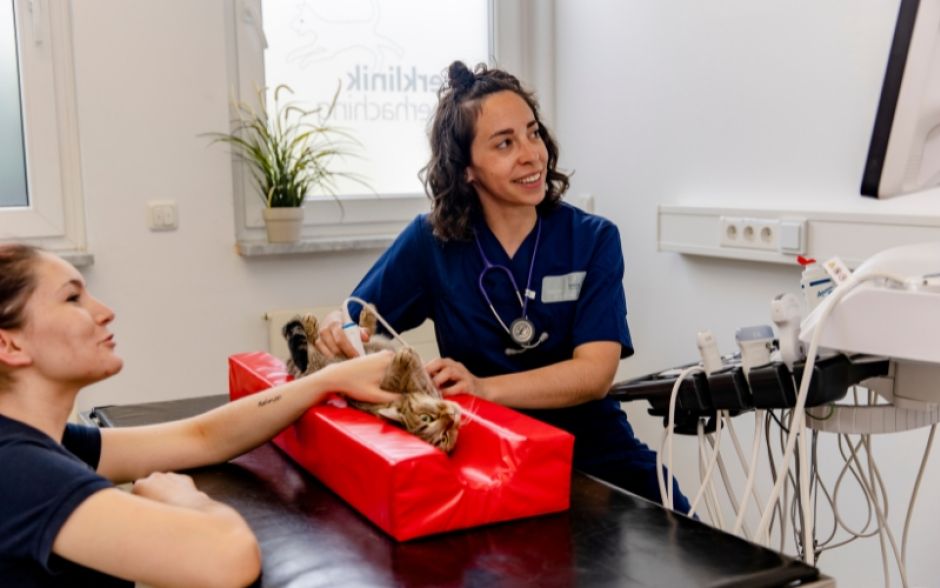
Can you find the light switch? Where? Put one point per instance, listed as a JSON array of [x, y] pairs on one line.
[[792, 236], [163, 215]]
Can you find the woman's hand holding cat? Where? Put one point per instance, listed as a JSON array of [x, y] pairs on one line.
[[332, 341], [359, 378], [452, 377]]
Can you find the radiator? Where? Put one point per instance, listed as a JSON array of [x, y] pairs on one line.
[[422, 338]]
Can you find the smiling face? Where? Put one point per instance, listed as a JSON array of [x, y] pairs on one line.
[[508, 156], [65, 334]]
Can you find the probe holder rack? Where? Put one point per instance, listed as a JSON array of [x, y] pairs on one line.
[[773, 385], [505, 465], [769, 386]]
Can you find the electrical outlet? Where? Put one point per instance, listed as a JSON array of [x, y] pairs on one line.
[[750, 233], [163, 215], [730, 231]]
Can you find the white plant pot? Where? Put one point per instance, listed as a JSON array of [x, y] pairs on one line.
[[283, 224]]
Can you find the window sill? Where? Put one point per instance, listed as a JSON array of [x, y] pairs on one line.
[[78, 259], [247, 248]]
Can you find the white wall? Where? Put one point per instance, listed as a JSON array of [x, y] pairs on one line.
[[151, 77], [740, 103], [684, 101]]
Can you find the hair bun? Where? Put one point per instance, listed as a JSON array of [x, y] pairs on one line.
[[460, 77]]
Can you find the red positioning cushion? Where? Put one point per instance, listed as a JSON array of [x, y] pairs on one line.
[[506, 465]]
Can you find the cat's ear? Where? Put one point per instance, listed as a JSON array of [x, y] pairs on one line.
[[12, 353], [391, 413]]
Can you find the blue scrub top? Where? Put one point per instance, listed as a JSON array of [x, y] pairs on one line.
[[578, 282], [577, 278]]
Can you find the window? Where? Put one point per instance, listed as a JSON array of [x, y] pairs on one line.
[[13, 163], [39, 168], [386, 57]]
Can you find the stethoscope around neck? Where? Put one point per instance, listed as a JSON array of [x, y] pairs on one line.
[[521, 330]]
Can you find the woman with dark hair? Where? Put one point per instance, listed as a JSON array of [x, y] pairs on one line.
[[454, 199], [525, 291], [62, 521]]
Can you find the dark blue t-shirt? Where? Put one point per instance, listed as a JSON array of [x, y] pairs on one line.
[[577, 297], [43, 482]]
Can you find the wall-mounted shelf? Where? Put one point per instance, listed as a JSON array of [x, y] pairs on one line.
[[852, 236]]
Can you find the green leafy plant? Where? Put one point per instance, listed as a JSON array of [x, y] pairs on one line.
[[290, 150]]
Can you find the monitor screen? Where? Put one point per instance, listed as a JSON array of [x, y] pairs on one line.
[[904, 152]]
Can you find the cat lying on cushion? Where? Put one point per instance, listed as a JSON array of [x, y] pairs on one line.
[[421, 409]]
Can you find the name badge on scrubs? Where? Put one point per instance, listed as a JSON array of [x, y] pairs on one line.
[[562, 288]]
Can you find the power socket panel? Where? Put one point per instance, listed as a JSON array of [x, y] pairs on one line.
[[162, 215], [750, 233]]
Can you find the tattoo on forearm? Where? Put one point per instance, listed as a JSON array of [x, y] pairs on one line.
[[269, 400]]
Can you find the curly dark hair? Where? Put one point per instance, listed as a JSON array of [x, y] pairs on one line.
[[454, 201], [17, 283]]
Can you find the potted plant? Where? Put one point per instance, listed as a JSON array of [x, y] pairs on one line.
[[290, 151]]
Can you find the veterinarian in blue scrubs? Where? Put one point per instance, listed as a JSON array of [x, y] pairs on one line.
[[525, 291]]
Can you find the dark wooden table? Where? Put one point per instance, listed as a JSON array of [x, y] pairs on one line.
[[309, 537]]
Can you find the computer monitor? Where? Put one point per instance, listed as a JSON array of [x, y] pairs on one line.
[[904, 152]]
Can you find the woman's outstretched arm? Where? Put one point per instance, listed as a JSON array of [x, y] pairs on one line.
[[134, 452]]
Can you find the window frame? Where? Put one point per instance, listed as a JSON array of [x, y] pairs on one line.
[[54, 218], [512, 38]]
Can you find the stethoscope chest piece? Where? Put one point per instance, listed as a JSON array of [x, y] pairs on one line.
[[522, 331]]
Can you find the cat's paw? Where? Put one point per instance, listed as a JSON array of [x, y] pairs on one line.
[[311, 326], [406, 374], [296, 338], [292, 328], [367, 319], [407, 360]]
